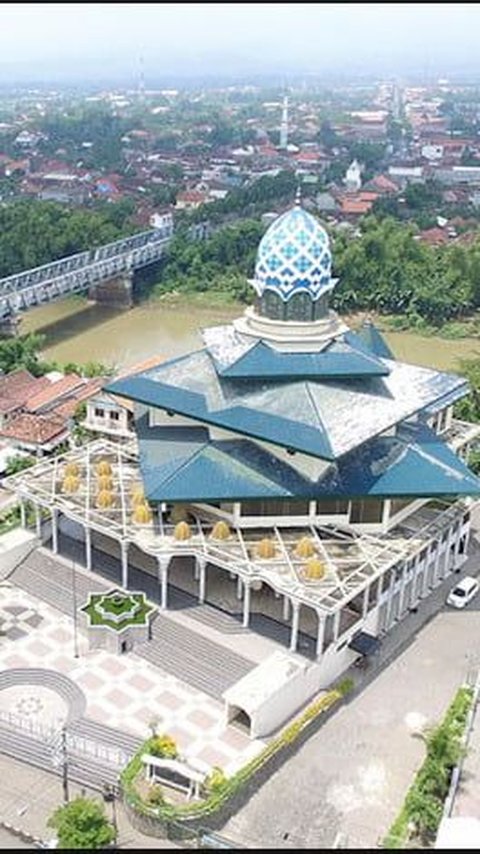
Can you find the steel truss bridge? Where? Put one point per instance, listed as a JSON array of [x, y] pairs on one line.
[[82, 271]]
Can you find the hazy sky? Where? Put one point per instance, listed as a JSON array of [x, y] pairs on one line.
[[84, 39]]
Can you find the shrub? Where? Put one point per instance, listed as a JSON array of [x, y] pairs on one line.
[[155, 797], [164, 746], [215, 780], [345, 686]]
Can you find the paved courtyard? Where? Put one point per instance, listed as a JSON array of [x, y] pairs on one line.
[[125, 693]]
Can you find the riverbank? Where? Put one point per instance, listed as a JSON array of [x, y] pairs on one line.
[[77, 330]]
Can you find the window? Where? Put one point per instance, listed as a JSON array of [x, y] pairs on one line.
[[331, 508], [275, 508], [299, 307], [320, 307], [114, 416], [99, 412], [368, 510], [398, 504], [272, 305]]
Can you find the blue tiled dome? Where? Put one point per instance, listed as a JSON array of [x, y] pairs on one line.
[[294, 255]]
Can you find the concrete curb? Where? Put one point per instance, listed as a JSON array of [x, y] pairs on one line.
[[21, 834]]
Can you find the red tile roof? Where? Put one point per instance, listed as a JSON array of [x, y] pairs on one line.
[[34, 429], [434, 236], [54, 391], [66, 409], [355, 206], [384, 184], [17, 387]]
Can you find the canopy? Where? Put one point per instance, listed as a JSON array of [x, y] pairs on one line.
[[364, 643]]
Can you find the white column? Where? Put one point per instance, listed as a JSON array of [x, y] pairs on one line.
[[23, 514], [246, 604], [54, 530], [203, 580], [427, 571], [163, 577], [38, 521], [390, 601], [124, 551], [239, 588], [415, 596], [403, 587], [336, 625], [286, 608], [320, 633], [88, 547], [196, 569], [365, 602], [294, 629]]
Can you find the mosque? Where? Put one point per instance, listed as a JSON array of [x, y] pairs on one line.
[[291, 462]]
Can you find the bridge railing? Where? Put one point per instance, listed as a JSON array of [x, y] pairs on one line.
[[71, 263]]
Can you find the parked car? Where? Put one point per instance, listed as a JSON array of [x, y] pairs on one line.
[[463, 592]]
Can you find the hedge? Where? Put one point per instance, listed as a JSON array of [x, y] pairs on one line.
[[423, 805]]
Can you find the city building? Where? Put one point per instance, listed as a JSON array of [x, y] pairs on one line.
[[291, 466]]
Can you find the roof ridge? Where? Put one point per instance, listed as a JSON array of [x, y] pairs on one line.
[[185, 462], [318, 414]]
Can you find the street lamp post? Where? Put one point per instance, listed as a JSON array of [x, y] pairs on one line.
[[74, 596], [109, 798], [64, 765]]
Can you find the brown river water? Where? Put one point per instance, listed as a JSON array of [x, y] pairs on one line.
[[78, 331]]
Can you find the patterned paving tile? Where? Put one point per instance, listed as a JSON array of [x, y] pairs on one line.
[[15, 632], [141, 682], [118, 698], [89, 680], [201, 719], [37, 647], [16, 661], [112, 666], [235, 738], [34, 621], [213, 755], [169, 700]]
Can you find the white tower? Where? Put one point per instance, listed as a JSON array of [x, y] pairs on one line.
[[141, 83], [353, 179], [284, 124]]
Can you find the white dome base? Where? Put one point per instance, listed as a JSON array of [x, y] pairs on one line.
[[291, 335]]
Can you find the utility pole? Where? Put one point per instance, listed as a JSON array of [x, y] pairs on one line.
[[64, 765]]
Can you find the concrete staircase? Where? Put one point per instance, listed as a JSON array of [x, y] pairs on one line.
[[188, 655]]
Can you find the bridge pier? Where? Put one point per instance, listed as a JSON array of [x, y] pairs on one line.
[[9, 326], [117, 292]]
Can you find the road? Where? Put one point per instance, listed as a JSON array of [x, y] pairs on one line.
[[351, 777]]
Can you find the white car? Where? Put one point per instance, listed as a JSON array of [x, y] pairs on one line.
[[463, 592]]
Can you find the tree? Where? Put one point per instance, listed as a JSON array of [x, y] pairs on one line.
[[18, 463], [82, 824]]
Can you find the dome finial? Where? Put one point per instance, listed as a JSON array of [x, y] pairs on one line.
[[298, 197]]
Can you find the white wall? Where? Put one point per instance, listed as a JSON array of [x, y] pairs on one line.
[[14, 547]]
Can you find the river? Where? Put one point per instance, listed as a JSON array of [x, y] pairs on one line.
[[78, 331]]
